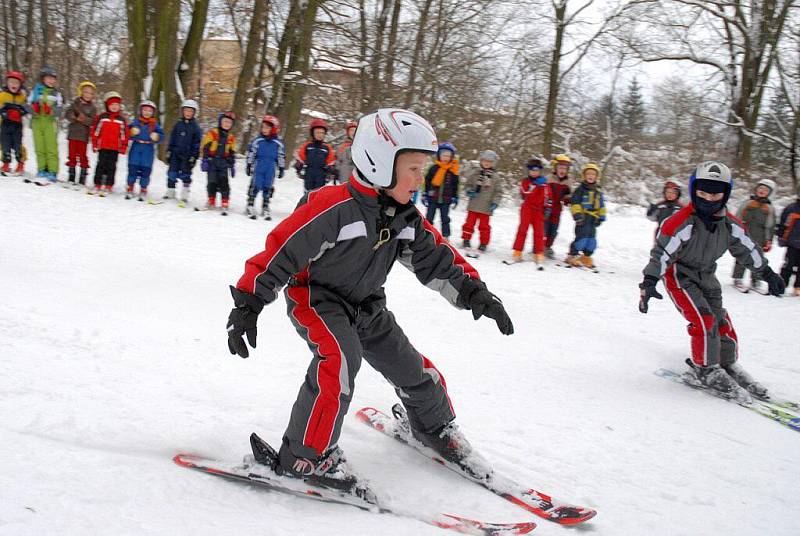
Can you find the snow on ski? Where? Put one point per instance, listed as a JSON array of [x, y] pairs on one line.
[[771, 410], [251, 472], [530, 499]]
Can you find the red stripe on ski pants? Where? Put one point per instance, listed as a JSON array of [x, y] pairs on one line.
[[77, 154], [483, 226], [322, 419], [713, 338], [530, 218]]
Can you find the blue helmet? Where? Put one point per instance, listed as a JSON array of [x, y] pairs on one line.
[[446, 146]]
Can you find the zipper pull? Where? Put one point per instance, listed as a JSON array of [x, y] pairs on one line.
[[383, 236]]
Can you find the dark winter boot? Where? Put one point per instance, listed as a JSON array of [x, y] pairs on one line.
[[465, 244], [449, 443], [482, 247], [550, 254], [71, 174], [715, 377], [82, 178], [250, 210], [328, 471], [745, 380]]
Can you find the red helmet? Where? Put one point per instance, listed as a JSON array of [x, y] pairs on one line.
[[274, 121], [16, 74], [317, 123], [673, 185], [351, 124]]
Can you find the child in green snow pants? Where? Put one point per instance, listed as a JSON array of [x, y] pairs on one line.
[[44, 140]]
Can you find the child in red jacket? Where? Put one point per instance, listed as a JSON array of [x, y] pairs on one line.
[[535, 209], [109, 140]]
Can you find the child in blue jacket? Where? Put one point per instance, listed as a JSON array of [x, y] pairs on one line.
[[144, 133], [589, 211], [263, 155], [182, 151]]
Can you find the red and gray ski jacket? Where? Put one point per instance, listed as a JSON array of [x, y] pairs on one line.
[[343, 239], [693, 247]]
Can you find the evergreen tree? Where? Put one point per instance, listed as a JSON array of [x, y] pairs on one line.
[[632, 116]]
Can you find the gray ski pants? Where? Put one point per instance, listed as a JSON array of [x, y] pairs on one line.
[[339, 335]]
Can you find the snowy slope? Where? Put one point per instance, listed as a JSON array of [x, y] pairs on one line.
[[114, 358]]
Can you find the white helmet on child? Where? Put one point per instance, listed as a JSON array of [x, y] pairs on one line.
[[190, 103], [383, 135], [149, 103], [769, 183]]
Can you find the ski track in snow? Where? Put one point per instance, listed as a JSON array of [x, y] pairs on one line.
[[114, 359]]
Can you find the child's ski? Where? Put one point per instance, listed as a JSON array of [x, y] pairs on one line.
[[251, 472], [534, 501], [773, 411]]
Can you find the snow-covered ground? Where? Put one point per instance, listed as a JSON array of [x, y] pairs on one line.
[[114, 358]]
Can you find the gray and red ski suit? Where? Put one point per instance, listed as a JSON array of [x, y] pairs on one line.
[[685, 255], [335, 252]]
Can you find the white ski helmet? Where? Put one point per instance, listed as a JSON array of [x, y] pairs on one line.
[[769, 183], [716, 177], [149, 103], [489, 155], [381, 136], [190, 103]]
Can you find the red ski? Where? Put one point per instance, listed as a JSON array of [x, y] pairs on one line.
[[250, 472], [534, 501]]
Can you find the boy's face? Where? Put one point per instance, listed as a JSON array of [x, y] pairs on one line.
[[188, 113], [445, 156], [561, 170], [318, 133], [590, 176], [226, 123], [671, 194], [408, 169], [13, 84], [147, 112], [114, 107], [266, 128], [762, 191], [486, 164], [351, 132], [534, 173], [710, 197], [49, 81], [87, 93]]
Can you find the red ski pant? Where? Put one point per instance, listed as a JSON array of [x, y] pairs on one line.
[[339, 336], [530, 218], [713, 339], [77, 154], [483, 226]]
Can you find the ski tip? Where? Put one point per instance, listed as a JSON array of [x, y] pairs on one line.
[[365, 414], [462, 524], [186, 459]]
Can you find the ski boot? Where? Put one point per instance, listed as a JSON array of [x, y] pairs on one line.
[[142, 194], [739, 285], [6, 168], [265, 213], [129, 192], [466, 244], [745, 380], [449, 442], [224, 211], [184, 197], [82, 179], [20, 169], [70, 177], [250, 212], [516, 256], [482, 248], [573, 260], [587, 261], [170, 194], [715, 377], [550, 254], [329, 471]]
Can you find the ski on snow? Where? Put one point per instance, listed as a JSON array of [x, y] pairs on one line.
[[251, 472], [530, 499], [774, 409]]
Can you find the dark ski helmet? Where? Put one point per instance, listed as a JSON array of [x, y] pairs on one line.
[[446, 146], [230, 115], [47, 71], [534, 163]]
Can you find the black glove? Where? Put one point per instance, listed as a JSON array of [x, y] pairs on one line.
[[648, 290], [484, 303], [298, 166], [242, 321], [776, 284], [248, 170], [280, 173]]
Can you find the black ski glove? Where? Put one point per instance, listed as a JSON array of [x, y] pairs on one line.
[[484, 303], [242, 321], [280, 173], [248, 169], [776, 284], [648, 290]]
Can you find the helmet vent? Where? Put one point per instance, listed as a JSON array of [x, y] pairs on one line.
[[406, 123], [714, 169]]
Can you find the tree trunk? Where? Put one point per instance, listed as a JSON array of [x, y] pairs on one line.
[[299, 63], [45, 32], [193, 40], [29, 31], [284, 48], [391, 49], [259, 95], [416, 55], [377, 55], [254, 38], [138, 48], [553, 81], [363, 75], [162, 91]]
